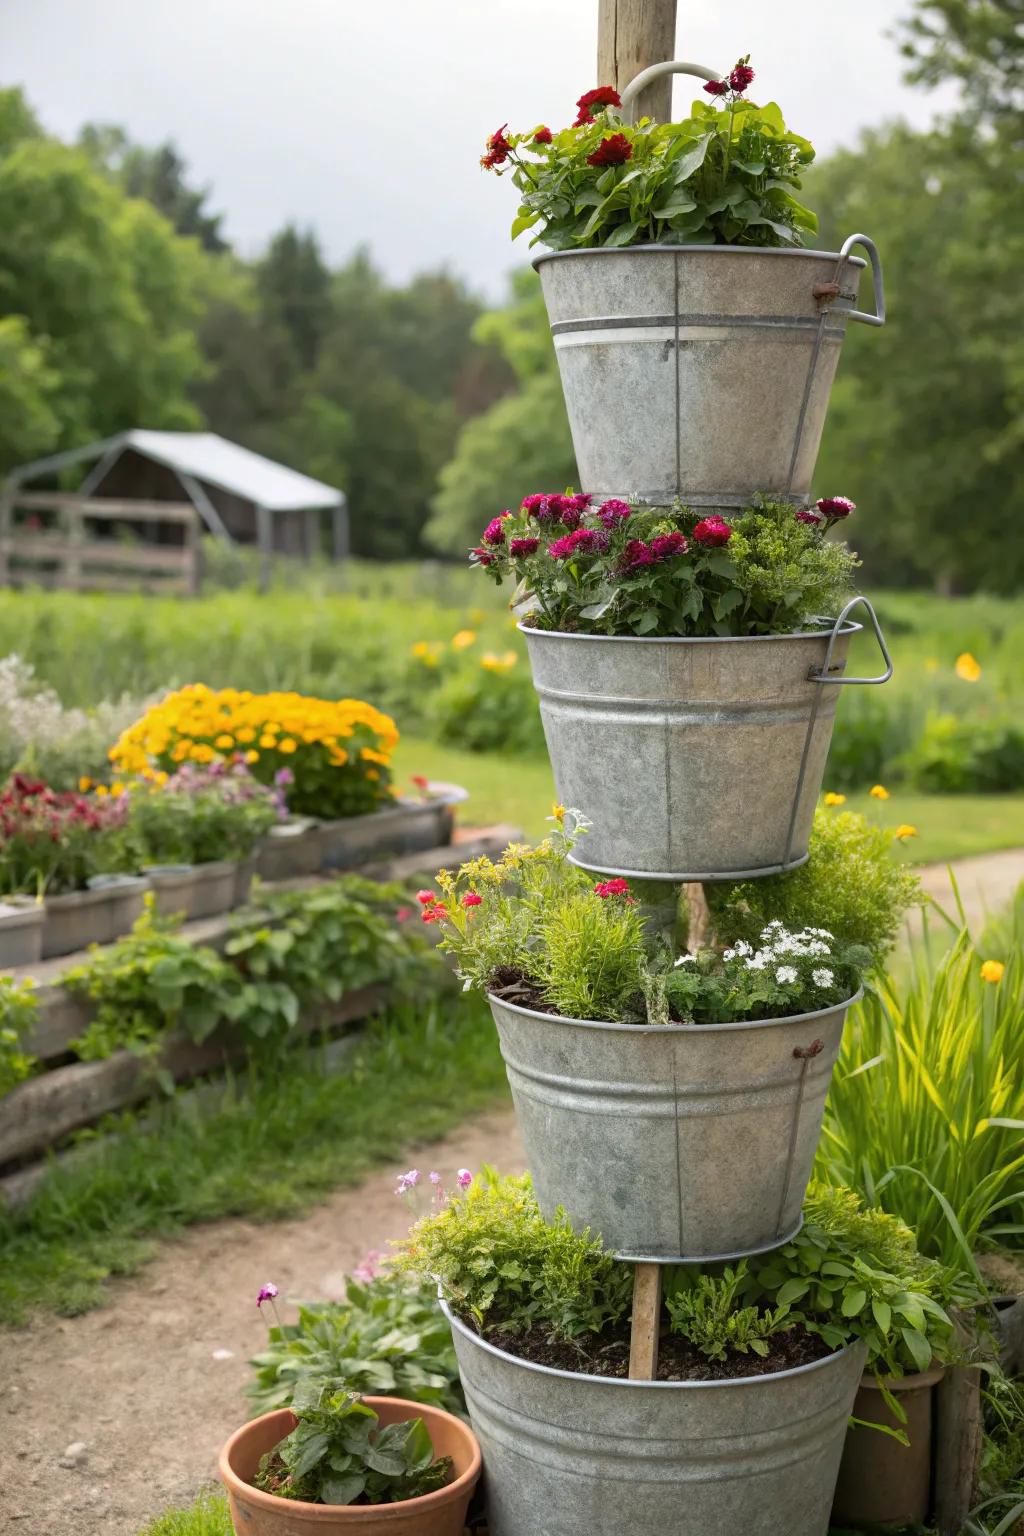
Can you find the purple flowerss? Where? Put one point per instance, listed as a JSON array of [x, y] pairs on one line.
[[268, 1292], [464, 1178], [407, 1181]]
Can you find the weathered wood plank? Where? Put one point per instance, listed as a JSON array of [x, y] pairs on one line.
[[646, 1323], [106, 507], [632, 34], [172, 558], [958, 1441]]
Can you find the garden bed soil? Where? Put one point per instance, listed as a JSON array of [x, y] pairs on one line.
[[607, 1354]]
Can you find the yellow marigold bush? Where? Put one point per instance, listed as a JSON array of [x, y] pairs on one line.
[[338, 751]]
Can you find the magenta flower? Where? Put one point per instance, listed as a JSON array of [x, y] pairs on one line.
[[520, 548], [616, 887], [712, 532], [613, 512], [668, 544], [367, 1269], [741, 77], [835, 507], [471, 899], [636, 554], [283, 777], [591, 541], [494, 533], [435, 1179], [812, 519], [464, 1178], [268, 1292], [481, 556], [717, 87]]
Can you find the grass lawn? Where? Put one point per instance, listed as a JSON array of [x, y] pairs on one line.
[[521, 790]]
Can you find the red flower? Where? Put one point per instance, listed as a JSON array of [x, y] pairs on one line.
[[471, 899], [636, 553], [435, 913], [615, 150], [616, 887], [403, 914], [741, 76], [420, 780], [426, 898], [603, 96], [542, 136], [518, 548], [589, 540], [811, 518], [717, 87], [668, 544], [712, 532], [613, 512], [498, 149], [480, 556], [494, 533], [834, 507], [570, 509], [543, 506]]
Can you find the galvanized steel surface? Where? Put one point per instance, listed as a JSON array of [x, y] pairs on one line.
[[686, 754], [675, 1143], [685, 369], [571, 1455]]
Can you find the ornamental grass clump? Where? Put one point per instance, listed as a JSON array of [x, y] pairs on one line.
[[725, 175], [338, 751], [620, 568]]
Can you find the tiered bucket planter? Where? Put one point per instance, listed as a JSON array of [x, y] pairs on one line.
[[677, 1143], [591, 1456]]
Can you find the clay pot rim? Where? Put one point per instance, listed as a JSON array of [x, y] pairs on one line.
[[463, 1483], [912, 1381]]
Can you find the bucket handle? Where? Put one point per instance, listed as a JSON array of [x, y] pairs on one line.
[[654, 72], [827, 675], [877, 317]]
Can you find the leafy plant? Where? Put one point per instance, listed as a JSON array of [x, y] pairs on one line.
[[625, 569], [388, 1338], [708, 1313], [502, 1265], [19, 1010], [850, 885], [723, 177], [207, 1516], [52, 842], [200, 814], [958, 755], [339, 1454]]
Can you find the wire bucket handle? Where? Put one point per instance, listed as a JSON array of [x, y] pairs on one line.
[[654, 72], [830, 674], [877, 316]]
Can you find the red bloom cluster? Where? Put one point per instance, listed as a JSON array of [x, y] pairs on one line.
[[498, 149], [615, 150], [480, 556], [741, 76], [712, 532], [603, 96], [471, 899], [434, 908], [717, 87], [811, 518], [590, 541], [616, 887], [30, 807], [548, 508], [835, 507], [637, 553], [542, 136], [613, 512], [494, 533], [520, 548]]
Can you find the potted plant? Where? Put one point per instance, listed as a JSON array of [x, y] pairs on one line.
[[64, 850], [639, 1074], [357, 1466], [743, 1428], [683, 669], [683, 306], [196, 833]]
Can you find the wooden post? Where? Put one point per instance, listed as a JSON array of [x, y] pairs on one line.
[[643, 1339], [958, 1438], [631, 34], [6, 507]]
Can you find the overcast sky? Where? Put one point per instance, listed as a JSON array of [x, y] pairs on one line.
[[366, 120]]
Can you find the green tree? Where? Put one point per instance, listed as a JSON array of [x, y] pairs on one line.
[[29, 424], [295, 291], [977, 42], [158, 175]]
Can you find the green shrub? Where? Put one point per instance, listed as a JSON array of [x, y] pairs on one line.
[[589, 957], [208, 1516], [488, 710], [388, 1337], [19, 1010], [850, 885], [707, 1311], [956, 756]]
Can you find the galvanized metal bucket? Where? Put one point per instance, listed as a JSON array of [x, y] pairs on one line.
[[701, 372], [675, 1143], [695, 759], [571, 1455]]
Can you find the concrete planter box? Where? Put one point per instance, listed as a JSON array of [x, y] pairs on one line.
[[714, 363], [676, 1143], [103, 912], [245, 872], [21, 932], [196, 890], [572, 1455], [406, 827], [291, 850]]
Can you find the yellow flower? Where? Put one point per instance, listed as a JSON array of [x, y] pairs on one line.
[[427, 651], [245, 734], [287, 744], [493, 663], [558, 812], [905, 830], [992, 970], [224, 742], [268, 741], [252, 756], [160, 779], [967, 668], [464, 638], [101, 789], [879, 792], [117, 788], [833, 799], [84, 784]]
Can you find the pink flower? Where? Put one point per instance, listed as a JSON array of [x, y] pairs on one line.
[[434, 914], [520, 548], [403, 914], [811, 518], [268, 1292], [613, 512], [464, 1178], [435, 1179], [835, 507], [616, 887], [367, 1269], [717, 87], [542, 136], [586, 540], [712, 532], [481, 557], [420, 780], [471, 899], [407, 1181], [426, 898], [532, 505], [494, 533], [668, 544], [635, 554], [741, 76]]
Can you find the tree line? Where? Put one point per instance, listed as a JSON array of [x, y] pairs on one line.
[[122, 304]]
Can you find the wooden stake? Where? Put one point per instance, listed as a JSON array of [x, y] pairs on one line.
[[631, 34], [643, 1340], [958, 1437]]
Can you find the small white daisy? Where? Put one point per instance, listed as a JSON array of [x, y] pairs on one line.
[[822, 976], [786, 974]]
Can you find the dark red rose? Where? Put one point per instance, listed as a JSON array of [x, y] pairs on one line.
[[615, 150], [602, 96], [741, 76], [668, 544], [519, 548], [480, 556], [498, 149], [494, 533], [717, 87], [542, 136], [712, 532]]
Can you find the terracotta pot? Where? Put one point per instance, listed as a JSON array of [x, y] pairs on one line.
[[882, 1482], [442, 1513]]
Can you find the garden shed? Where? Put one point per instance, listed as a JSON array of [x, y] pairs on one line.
[[239, 496]]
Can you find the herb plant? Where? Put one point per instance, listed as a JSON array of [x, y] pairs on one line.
[[339, 1454], [625, 569], [725, 175], [201, 814], [708, 1312]]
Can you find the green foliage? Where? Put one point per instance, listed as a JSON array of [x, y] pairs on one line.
[[976, 42], [850, 885], [488, 710], [925, 1115], [634, 570], [387, 1338], [338, 1453], [725, 175], [198, 818], [589, 957], [706, 1310], [158, 175], [208, 1516], [502, 1265], [955, 756], [19, 1010]]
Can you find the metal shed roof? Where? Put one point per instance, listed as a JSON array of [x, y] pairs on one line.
[[209, 458]]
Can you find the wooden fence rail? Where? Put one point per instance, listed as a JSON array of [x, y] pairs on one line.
[[71, 556]]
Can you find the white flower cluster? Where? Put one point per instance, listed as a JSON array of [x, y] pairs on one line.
[[57, 742], [777, 943]]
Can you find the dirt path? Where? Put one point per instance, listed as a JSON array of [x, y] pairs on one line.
[[986, 884], [140, 1383]]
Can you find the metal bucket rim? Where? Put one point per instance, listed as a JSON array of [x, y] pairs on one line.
[[625, 1381], [848, 627], [703, 250], [668, 1029]]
